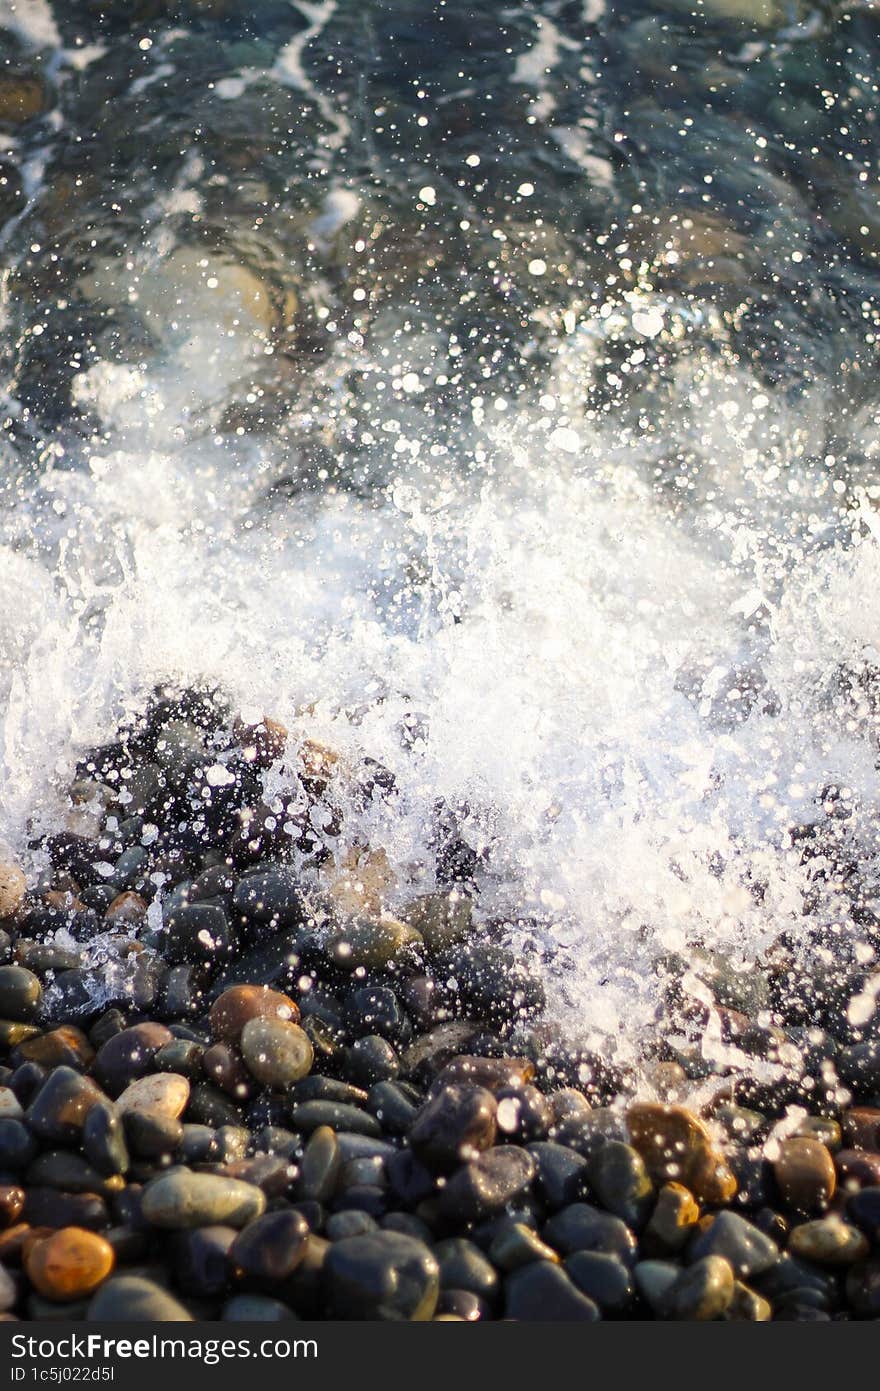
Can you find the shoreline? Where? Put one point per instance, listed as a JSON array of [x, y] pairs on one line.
[[265, 1101]]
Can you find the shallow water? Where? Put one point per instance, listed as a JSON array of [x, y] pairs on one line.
[[492, 393]]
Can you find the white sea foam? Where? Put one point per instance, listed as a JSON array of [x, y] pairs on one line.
[[571, 644]]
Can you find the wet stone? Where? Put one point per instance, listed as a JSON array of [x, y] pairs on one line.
[[183, 1199], [209, 1106], [68, 1171], [103, 1139], [487, 1185], [17, 1146], [702, 1292], [620, 1181], [69, 1264], [129, 1055], [489, 980], [271, 1247], [20, 994], [306, 1116], [50, 1207], [673, 1220], [353, 1222], [320, 1166], [516, 1244], [132, 1298], [580, 1227], [371, 1059], [163, 1093], [543, 1293], [181, 1055], [748, 1250], [277, 1053], [603, 1278], [381, 1275], [200, 1260], [455, 1125], [198, 933], [676, 1146], [232, 1010], [223, 1064], [392, 1107], [59, 1109], [67, 1046], [863, 1208], [805, 1175], [151, 1134], [266, 902], [370, 943], [861, 1128], [12, 889], [829, 1241], [747, 1306], [463, 1266]]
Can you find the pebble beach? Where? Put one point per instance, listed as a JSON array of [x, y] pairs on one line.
[[274, 1100]]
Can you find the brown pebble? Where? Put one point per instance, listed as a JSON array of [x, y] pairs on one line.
[[11, 1204], [12, 889], [69, 1264], [127, 908], [857, 1169], [491, 1073], [804, 1173], [676, 1146], [673, 1221], [241, 1003], [829, 1241], [66, 1046], [861, 1128], [224, 1065]]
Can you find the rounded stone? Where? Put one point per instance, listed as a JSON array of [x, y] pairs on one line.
[[320, 1166], [165, 1093], [463, 1266], [135, 1299], [676, 1146], [277, 1053], [271, 1247], [232, 1010], [805, 1175], [485, 1187], [515, 1244], [673, 1220], [129, 1055], [199, 1260], [59, 1109], [702, 1292], [381, 1275], [747, 1248], [580, 1227], [69, 1264], [182, 1199], [828, 1241], [66, 1046], [543, 1293], [370, 943], [103, 1139], [454, 1126], [12, 889], [620, 1181], [20, 994], [603, 1278]]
